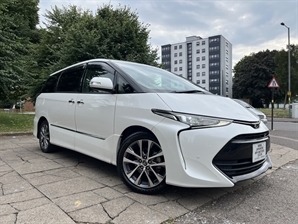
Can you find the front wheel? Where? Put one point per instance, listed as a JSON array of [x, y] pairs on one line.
[[44, 137], [141, 164]]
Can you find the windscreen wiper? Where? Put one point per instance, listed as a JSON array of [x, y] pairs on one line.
[[190, 91]]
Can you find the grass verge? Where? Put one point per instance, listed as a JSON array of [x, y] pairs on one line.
[[277, 112], [16, 122]]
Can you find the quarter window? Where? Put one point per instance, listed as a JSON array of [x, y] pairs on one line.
[[51, 83], [70, 81]]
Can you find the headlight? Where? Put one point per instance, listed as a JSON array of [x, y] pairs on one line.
[[194, 121]]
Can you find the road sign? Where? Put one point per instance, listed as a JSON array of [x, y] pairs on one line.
[[273, 83]]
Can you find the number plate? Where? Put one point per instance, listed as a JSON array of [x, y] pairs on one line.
[[258, 151]]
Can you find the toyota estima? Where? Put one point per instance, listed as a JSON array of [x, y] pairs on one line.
[[156, 127]]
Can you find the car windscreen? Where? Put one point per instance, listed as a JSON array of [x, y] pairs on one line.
[[154, 79]]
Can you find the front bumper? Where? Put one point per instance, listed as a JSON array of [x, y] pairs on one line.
[[191, 154]]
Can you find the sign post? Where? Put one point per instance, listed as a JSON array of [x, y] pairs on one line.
[[273, 84]]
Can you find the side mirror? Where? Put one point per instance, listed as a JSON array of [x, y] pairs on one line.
[[101, 83]]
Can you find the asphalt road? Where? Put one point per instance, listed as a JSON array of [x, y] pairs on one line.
[[284, 133], [273, 199]]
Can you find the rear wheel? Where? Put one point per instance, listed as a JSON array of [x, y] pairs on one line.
[[141, 164], [44, 137]]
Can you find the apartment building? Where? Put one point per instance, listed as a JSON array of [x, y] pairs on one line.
[[204, 61]]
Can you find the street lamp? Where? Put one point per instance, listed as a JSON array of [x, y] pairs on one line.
[[289, 67]]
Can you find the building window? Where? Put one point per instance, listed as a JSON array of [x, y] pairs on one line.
[[214, 80], [203, 73], [180, 46], [180, 53], [198, 73], [198, 51], [203, 65], [198, 43], [180, 61], [175, 55], [203, 81], [175, 47], [175, 62], [203, 58], [175, 69], [203, 42], [198, 66], [180, 68], [203, 50], [198, 58], [198, 81]]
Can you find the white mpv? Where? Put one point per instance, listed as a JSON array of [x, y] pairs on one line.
[[156, 127]]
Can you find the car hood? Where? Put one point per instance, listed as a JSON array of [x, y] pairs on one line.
[[207, 105]]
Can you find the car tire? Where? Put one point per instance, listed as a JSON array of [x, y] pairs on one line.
[[44, 138], [141, 164]]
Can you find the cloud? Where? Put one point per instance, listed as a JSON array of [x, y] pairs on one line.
[[250, 25]]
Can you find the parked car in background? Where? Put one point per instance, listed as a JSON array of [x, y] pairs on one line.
[[156, 127], [260, 114]]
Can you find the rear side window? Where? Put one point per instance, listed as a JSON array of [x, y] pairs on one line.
[[70, 81], [50, 85]]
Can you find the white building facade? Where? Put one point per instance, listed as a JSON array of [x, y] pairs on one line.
[[204, 61]]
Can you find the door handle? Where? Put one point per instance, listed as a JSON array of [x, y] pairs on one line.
[[80, 102], [71, 101]]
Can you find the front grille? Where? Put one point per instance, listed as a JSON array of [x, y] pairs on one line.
[[235, 158]]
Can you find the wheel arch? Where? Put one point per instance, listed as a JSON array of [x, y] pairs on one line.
[[41, 119], [133, 129]]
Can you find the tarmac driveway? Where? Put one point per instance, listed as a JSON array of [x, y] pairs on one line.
[[68, 187]]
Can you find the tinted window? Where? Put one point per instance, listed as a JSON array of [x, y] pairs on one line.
[[96, 70], [50, 85], [70, 81]]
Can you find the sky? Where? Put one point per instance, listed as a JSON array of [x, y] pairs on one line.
[[249, 25]]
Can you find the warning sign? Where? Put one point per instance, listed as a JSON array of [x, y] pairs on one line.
[[273, 83]]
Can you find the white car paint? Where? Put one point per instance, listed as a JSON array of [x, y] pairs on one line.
[[93, 124]]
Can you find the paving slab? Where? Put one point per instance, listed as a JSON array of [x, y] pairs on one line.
[[194, 201], [20, 196], [68, 187], [8, 219], [108, 193], [49, 214], [138, 213], [25, 205], [170, 209], [93, 214], [25, 167], [116, 206], [16, 187], [147, 199], [78, 201], [7, 209]]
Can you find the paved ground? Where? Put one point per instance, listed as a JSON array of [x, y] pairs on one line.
[[68, 187]]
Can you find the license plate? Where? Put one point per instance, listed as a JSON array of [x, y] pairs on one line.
[[258, 151]]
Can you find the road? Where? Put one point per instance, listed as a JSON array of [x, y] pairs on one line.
[[284, 133], [273, 199]]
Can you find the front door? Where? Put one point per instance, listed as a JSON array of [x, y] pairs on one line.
[[94, 115]]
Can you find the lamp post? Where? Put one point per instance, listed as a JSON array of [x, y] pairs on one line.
[[289, 67]]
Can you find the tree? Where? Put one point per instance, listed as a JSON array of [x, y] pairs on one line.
[[73, 35], [18, 20], [252, 76], [281, 72]]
